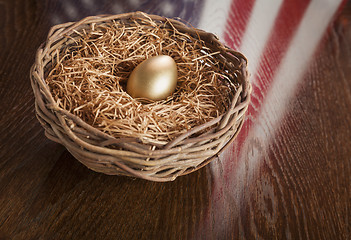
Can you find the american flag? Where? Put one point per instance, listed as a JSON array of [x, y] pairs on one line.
[[279, 38], [68, 10]]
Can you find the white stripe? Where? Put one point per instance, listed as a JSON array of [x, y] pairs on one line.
[[214, 16], [258, 31]]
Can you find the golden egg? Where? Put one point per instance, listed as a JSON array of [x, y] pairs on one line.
[[153, 79]]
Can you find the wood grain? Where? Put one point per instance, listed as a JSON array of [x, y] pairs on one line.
[[299, 189]]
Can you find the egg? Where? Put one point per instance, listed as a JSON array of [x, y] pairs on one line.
[[154, 79]]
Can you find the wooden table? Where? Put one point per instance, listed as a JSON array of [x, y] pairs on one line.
[[286, 176]]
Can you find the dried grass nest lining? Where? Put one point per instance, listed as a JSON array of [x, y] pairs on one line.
[[89, 79]]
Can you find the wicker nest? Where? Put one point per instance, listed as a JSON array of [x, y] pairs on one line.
[[79, 80]]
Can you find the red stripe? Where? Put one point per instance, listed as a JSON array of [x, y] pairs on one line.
[[288, 19], [286, 24], [239, 14]]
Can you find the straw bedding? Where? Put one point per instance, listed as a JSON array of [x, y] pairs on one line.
[[89, 76]]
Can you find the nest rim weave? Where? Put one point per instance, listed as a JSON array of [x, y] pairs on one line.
[[130, 156]]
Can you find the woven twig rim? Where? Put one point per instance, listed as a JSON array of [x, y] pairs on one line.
[[130, 156]]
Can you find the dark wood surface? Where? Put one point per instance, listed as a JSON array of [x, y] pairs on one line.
[[297, 185]]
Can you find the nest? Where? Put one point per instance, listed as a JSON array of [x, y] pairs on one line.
[[79, 81]]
